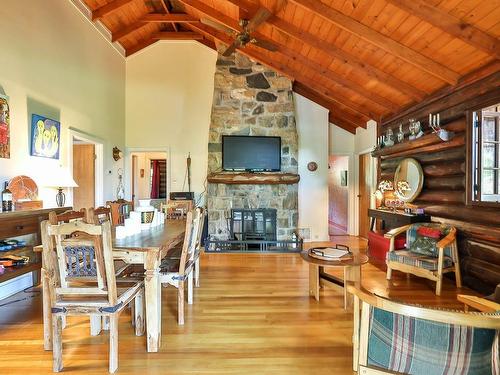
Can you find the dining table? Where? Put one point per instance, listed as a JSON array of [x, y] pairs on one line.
[[148, 248]]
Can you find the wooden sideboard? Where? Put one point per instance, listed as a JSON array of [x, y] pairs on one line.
[[24, 224], [395, 219]]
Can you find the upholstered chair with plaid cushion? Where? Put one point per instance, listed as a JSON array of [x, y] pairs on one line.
[[431, 250], [396, 338]]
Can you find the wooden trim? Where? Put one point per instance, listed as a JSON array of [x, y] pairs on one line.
[[172, 17], [108, 8], [342, 123], [478, 303], [451, 25], [173, 35], [372, 36]]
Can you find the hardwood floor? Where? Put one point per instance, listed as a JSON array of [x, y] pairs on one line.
[[252, 315]]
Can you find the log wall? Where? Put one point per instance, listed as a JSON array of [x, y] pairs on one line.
[[444, 194]]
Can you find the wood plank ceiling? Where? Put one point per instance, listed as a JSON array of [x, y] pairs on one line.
[[361, 59]]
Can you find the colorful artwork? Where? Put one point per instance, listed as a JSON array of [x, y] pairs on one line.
[[45, 137], [4, 127]]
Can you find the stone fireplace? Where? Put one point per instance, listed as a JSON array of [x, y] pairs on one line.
[[250, 99]]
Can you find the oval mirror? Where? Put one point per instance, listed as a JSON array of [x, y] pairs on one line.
[[408, 180]]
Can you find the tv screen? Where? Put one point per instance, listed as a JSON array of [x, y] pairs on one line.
[[251, 153]]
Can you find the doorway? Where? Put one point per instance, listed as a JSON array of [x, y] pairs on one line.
[[86, 163], [338, 195], [149, 176], [366, 187]]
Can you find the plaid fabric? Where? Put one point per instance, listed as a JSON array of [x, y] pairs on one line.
[[411, 235], [417, 346], [417, 260]]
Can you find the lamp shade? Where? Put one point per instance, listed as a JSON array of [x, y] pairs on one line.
[[59, 178]]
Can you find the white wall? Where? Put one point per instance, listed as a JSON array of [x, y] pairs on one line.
[[312, 128], [54, 63], [169, 94]]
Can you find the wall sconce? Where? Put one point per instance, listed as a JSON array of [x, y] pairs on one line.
[[117, 153]]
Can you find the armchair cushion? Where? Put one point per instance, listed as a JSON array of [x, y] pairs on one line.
[[417, 260], [423, 237], [417, 346]]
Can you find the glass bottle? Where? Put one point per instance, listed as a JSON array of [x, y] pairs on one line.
[[6, 198]]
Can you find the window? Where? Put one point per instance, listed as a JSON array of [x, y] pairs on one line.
[[486, 155]]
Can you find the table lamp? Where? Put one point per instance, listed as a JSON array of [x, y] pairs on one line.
[[61, 179]]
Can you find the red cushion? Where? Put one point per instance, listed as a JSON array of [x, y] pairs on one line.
[[378, 245], [429, 232]]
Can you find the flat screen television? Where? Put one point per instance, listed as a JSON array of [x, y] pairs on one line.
[[251, 153]]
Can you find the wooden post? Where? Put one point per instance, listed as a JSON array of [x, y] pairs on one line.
[[138, 316], [314, 281], [180, 303], [95, 324], [190, 287], [57, 363], [153, 300], [113, 342]]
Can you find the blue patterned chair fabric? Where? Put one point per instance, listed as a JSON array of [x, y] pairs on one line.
[[412, 235], [416, 346], [80, 261]]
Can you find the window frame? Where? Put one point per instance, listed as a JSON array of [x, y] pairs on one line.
[[469, 175]]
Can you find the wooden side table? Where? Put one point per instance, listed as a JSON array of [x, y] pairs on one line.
[[319, 278], [394, 219]]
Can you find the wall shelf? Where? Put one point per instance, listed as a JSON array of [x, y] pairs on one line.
[[263, 178]]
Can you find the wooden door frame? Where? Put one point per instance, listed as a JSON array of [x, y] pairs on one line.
[[128, 166], [356, 192], [351, 184], [99, 163]]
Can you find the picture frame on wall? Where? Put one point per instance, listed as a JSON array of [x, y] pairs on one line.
[[45, 137], [343, 178], [4, 127]]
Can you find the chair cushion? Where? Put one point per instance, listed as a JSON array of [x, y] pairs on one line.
[[416, 346], [420, 261], [423, 237]]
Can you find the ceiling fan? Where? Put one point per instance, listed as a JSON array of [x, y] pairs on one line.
[[244, 37]]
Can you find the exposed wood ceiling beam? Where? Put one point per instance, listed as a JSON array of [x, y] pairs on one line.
[[142, 44], [451, 25], [123, 32], [173, 35], [108, 8], [213, 14], [333, 119], [167, 11], [380, 40], [330, 49], [302, 89], [332, 76], [249, 51], [172, 17]]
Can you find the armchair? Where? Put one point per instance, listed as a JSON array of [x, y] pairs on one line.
[[439, 256], [395, 338]]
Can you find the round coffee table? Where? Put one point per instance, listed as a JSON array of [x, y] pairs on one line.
[[319, 278]]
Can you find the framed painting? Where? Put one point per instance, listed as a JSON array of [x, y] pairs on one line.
[[45, 137], [343, 178], [4, 127]]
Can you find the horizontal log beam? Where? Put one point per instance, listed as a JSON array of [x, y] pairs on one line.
[[441, 196], [108, 9], [471, 214], [428, 158], [457, 141], [173, 35], [380, 40], [451, 25], [445, 183], [172, 17]]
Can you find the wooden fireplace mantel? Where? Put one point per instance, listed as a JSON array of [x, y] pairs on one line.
[[264, 178]]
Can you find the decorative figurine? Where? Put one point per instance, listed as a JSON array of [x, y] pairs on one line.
[[389, 138], [401, 134]]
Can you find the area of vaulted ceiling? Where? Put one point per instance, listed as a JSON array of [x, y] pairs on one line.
[[361, 59]]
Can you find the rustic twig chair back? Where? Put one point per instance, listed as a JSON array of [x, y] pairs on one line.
[[198, 246], [85, 250]]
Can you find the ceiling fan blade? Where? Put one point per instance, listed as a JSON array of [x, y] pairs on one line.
[[265, 44], [259, 18], [229, 51], [217, 26]]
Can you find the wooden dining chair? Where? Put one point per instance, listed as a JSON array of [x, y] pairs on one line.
[[198, 247], [179, 271], [99, 215], [84, 251], [120, 210]]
